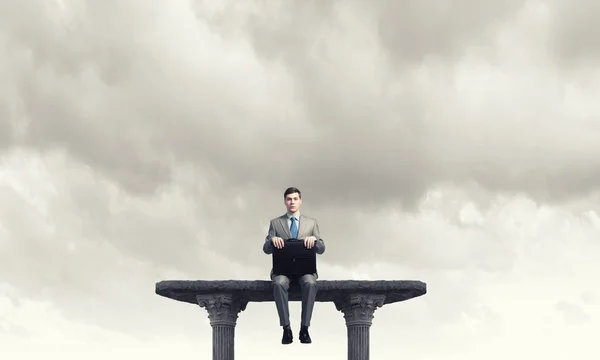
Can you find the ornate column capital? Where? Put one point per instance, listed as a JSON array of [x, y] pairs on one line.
[[223, 309], [358, 309]]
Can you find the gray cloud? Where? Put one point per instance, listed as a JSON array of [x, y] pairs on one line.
[[588, 297], [113, 91], [574, 33], [413, 31], [572, 313]]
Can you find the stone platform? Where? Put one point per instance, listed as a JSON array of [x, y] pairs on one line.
[[225, 299]]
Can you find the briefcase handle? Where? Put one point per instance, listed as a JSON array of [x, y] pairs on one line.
[[295, 239]]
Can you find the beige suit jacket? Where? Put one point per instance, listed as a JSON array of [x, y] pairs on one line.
[[308, 227]]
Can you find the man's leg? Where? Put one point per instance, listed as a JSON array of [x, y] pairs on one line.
[[281, 285], [308, 286]]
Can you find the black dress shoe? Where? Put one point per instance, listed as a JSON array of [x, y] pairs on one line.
[[305, 337], [288, 337]]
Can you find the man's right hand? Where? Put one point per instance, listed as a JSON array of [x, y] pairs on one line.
[[277, 242]]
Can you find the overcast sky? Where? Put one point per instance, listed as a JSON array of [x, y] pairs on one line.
[[456, 143]]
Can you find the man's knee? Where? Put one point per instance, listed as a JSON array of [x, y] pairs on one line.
[[308, 281], [281, 281]]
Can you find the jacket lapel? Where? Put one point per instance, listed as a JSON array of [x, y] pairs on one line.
[[286, 229], [303, 227]]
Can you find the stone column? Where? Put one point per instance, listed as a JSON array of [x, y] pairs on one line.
[[358, 312], [223, 310]]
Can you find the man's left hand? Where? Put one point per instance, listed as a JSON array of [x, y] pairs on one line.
[[309, 242]]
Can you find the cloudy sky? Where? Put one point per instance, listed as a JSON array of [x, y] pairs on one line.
[[455, 143]]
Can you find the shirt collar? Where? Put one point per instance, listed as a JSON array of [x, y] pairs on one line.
[[289, 217]]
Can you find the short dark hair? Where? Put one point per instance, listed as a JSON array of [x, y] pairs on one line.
[[292, 190]]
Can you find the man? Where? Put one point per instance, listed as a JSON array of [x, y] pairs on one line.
[[288, 226]]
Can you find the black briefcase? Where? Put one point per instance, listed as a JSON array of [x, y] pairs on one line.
[[294, 260]]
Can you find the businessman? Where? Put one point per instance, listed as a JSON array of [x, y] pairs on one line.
[[288, 226]]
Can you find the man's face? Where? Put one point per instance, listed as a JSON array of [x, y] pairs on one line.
[[293, 202]]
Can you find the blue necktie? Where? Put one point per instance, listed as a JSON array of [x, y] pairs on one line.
[[294, 228]]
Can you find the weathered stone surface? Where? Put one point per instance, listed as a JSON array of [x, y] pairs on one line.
[[358, 309], [336, 291], [223, 309]]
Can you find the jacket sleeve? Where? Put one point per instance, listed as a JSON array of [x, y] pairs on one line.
[[268, 244], [319, 244]]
